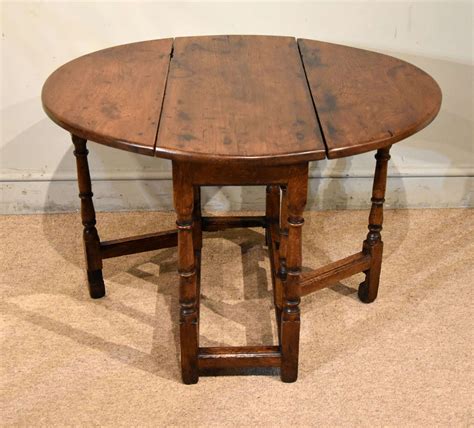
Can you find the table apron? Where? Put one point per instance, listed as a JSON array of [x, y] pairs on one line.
[[230, 174]]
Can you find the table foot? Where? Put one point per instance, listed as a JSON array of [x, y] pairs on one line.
[[96, 284], [290, 338], [363, 292]]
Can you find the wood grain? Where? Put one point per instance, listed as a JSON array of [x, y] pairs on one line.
[[138, 244], [213, 224], [238, 98], [333, 272], [239, 356], [366, 100], [245, 99], [113, 96]]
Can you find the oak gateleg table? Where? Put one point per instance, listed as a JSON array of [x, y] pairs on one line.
[[232, 111]]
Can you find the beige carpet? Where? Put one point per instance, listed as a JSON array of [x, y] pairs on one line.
[[404, 360]]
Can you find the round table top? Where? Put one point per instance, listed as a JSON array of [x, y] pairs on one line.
[[263, 99]]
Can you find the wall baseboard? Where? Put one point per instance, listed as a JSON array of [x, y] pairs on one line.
[[325, 193]]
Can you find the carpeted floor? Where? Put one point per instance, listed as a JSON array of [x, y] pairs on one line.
[[404, 360]]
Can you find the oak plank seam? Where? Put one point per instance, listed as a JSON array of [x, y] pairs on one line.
[[163, 98], [312, 99]]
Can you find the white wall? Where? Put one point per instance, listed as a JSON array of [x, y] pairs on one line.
[[433, 168]]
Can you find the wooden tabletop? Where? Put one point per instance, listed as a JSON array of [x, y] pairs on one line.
[[262, 99]]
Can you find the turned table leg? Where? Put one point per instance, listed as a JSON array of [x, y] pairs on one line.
[[290, 318], [283, 231], [373, 244], [272, 234], [197, 244], [90, 235], [188, 294], [272, 211]]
